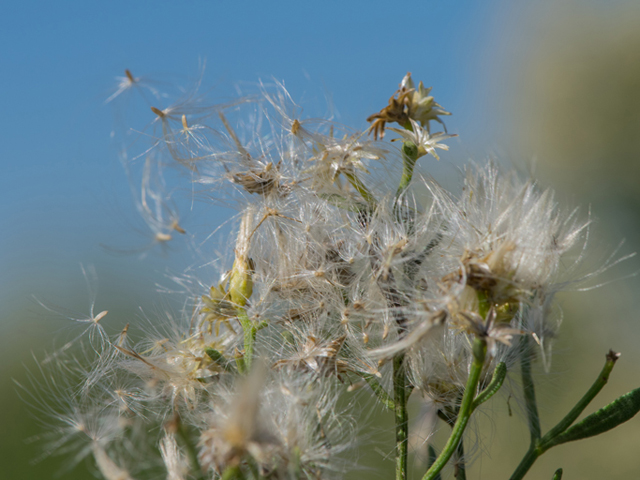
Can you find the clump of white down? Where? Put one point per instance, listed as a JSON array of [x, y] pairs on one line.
[[336, 274]]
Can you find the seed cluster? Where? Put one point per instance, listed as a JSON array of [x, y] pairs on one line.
[[339, 271]]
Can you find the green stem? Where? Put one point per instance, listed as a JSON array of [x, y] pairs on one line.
[[528, 387], [402, 420], [192, 453], [525, 464], [361, 188], [250, 330], [231, 473], [496, 382], [220, 359], [466, 408], [379, 391], [401, 212], [294, 464], [409, 158], [432, 459], [575, 412], [242, 368], [460, 470], [253, 466], [541, 445], [484, 304]]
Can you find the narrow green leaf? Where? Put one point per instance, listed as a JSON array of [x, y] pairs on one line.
[[219, 359], [572, 416], [288, 337], [497, 379], [608, 417], [360, 188], [557, 475], [379, 391], [559, 434], [344, 203], [241, 364]]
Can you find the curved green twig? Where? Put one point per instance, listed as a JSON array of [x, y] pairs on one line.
[[466, 408], [609, 416], [496, 382], [361, 188], [601, 381], [379, 391]]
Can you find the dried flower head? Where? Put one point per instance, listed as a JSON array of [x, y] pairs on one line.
[[405, 105], [340, 276]]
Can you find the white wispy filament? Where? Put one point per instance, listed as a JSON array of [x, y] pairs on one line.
[[333, 272]]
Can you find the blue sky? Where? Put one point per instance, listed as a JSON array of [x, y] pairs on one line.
[[63, 191]]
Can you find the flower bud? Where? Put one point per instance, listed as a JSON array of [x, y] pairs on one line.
[[240, 281]]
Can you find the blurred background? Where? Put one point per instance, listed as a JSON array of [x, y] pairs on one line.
[[549, 87]]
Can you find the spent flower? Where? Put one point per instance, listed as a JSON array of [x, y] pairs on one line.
[[405, 105], [422, 139]]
